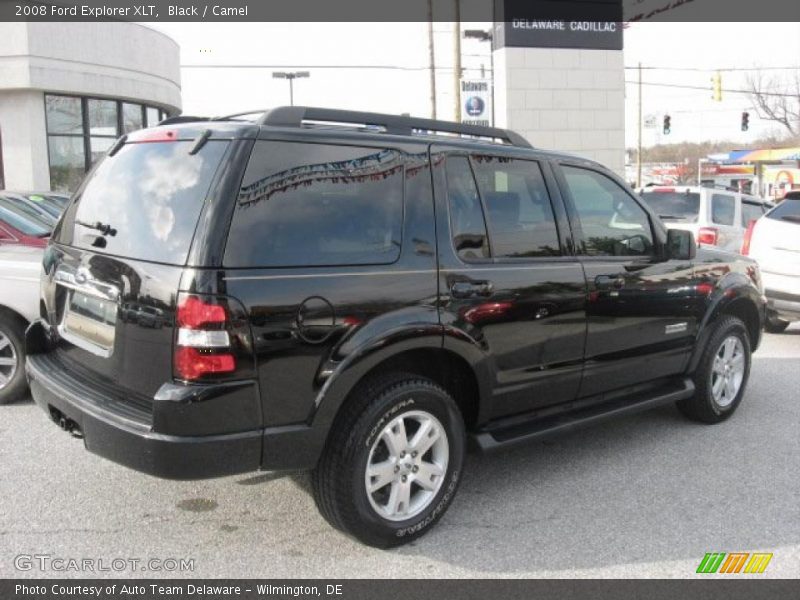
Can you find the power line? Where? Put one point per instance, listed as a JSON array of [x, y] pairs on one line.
[[701, 70], [707, 88]]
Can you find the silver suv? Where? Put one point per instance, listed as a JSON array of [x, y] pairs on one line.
[[716, 217]]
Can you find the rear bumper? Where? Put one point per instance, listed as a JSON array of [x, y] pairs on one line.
[[133, 444], [786, 305]]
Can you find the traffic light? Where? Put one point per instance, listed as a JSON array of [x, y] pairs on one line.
[[667, 124], [716, 87], [745, 121]]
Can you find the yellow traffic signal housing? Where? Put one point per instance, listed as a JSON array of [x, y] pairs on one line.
[[716, 87]]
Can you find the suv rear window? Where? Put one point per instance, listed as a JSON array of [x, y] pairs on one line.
[[674, 206], [723, 209], [148, 196], [303, 205], [788, 210]]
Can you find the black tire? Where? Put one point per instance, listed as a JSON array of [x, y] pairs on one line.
[[702, 406], [13, 330], [339, 480], [774, 324]]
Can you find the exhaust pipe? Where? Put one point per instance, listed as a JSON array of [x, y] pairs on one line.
[[66, 423]]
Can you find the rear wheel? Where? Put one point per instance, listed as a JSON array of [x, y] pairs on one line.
[[721, 376], [393, 462], [774, 324], [12, 359]]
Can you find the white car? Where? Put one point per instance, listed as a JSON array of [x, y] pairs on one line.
[[716, 217], [774, 241], [19, 305]]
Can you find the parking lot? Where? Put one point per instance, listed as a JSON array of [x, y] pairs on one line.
[[646, 496]]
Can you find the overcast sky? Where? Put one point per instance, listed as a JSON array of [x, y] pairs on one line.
[[679, 46]]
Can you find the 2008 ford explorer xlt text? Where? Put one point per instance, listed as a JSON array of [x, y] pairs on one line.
[[363, 298]]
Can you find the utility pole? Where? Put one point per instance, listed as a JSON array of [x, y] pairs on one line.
[[431, 59], [639, 125], [457, 61]]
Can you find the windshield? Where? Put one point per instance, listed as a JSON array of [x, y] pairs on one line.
[[20, 223], [143, 202], [788, 210], [676, 206]]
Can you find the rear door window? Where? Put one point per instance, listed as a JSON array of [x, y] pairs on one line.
[[318, 205], [751, 211], [723, 209], [521, 219], [467, 223], [144, 202]]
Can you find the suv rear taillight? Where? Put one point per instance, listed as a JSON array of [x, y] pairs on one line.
[[707, 235], [748, 235], [203, 344]]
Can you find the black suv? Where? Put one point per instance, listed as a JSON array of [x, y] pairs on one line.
[[360, 295]]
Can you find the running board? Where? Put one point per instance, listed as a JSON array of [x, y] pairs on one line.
[[518, 433]]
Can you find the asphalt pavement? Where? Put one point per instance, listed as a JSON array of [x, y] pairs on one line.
[[643, 496]]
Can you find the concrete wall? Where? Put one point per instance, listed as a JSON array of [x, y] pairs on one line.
[[564, 99], [123, 61]]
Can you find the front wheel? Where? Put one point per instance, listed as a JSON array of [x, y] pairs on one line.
[[721, 376], [393, 461]]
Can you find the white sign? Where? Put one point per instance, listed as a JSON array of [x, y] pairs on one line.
[[476, 102]]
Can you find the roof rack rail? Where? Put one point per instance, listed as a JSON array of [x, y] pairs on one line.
[[234, 116], [293, 116], [181, 119]]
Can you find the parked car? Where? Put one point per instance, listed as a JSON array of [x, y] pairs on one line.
[[30, 209], [53, 203], [360, 300], [16, 229], [19, 305], [716, 217], [774, 241]]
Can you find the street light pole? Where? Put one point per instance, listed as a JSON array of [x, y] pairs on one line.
[[291, 76]]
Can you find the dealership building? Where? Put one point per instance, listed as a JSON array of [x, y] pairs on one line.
[[67, 91]]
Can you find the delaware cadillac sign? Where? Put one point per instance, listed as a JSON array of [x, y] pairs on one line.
[[563, 24]]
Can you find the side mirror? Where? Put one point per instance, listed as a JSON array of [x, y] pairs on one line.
[[681, 244]]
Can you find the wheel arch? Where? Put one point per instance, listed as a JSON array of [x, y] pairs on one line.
[[742, 302], [453, 368]]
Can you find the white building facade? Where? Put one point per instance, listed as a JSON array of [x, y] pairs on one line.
[[560, 80], [68, 90]]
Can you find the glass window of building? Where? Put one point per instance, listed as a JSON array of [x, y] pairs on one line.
[[81, 130]]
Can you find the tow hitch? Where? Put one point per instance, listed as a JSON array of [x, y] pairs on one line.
[[65, 423]]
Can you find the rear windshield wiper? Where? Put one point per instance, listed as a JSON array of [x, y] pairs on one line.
[[98, 226]]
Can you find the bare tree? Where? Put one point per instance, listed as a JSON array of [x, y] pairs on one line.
[[777, 99]]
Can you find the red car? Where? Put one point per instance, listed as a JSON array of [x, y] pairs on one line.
[[21, 230]]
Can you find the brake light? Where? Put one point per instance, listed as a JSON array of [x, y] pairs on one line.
[[203, 344], [194, 313], [707, 235], [664, 190], [156, 135], [748, 236]]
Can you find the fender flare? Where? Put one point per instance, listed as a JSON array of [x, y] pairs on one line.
[[733, 289]]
